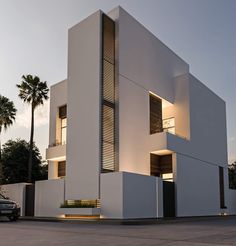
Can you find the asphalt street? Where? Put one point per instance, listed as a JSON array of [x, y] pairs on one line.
[[202, 232]]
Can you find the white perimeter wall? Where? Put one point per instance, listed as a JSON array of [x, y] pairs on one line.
[[83, 139], [128, 196], [49, 195], [197, 189], [15, 192], [231, 201]]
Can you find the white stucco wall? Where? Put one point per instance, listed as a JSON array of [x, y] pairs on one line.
[[112, 195], [180, 110], [197, 189], [15, 192], [82, 170], [139, 196], [58, 98], [128, 196], [56, 152], [208, 124], [154, 66], [49, 195], [133, 128], [199, 121]]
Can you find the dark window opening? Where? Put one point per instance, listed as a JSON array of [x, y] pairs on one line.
[[161, 166], [155, 104], [61, 171], [63, 112], [63, 118]]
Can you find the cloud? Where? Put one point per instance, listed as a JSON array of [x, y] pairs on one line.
[[23, 119]]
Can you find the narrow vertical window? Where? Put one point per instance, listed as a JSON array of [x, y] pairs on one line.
[[63, 130], [155, 105], [63, 119], [108, 96], [221, 183]]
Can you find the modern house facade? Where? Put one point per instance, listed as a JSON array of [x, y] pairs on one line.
[[132, 130]]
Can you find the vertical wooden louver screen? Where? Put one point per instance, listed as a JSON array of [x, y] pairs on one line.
[[61, 169], [155, 114], [108, 96]]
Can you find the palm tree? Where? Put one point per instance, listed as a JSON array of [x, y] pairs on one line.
[[7, 117], [34, 92], [7, 113]]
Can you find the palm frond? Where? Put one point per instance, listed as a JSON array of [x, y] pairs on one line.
[[7, 113], [32, 90]]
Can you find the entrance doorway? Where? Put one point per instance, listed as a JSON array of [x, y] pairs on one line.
[[168, 199], [161, 166]]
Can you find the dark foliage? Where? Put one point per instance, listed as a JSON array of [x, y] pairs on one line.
[[232, 176], [15, 155], [7, 113]]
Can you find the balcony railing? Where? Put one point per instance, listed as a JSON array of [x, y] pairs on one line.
[[56, 143]]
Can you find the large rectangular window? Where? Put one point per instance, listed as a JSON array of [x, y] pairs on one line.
[[155, 105], [108, 96]]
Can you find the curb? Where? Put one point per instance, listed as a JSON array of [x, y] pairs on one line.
[[127, 221]]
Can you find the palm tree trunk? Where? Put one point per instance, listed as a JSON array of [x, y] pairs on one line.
[[31, 145], [0, 151]]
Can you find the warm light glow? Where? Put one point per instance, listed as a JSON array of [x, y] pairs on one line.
[[167, 177], [81, 204], [77, 216], [223, 214], [162, 152], [59, 158], [61, 216], [169, 125]]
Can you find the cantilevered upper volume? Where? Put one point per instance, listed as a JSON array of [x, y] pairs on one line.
[[132, 133]]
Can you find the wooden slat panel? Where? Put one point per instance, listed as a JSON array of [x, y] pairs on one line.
[[155, 114]]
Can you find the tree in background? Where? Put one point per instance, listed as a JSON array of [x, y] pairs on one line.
[[232, 175], [34, 92], [7, 117], [15, 156]]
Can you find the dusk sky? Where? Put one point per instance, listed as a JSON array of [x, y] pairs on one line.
[[34, 41]]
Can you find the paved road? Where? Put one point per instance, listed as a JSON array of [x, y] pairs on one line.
[[202, 232]]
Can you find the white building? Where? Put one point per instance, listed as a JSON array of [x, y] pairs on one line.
[[129, 116]]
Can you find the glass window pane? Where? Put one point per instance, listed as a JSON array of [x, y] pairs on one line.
[[63, 135], [64, 122]]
